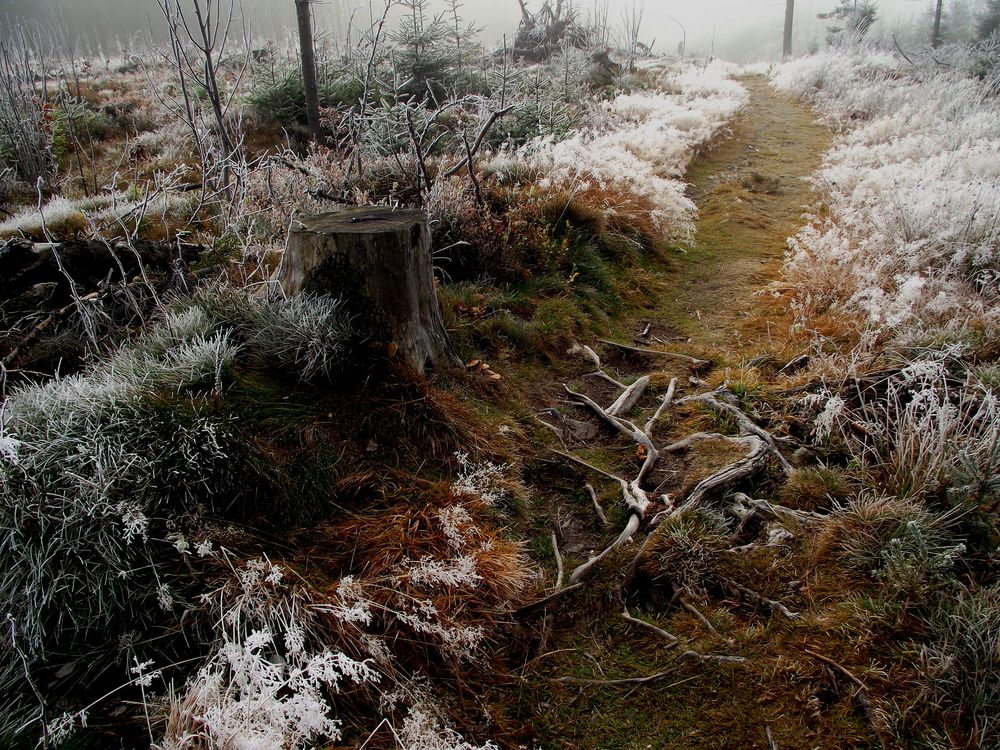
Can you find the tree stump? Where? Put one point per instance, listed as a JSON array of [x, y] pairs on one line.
[[378, 260]]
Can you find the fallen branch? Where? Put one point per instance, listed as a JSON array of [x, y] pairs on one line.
[[612, 683], [713, 657], [839, 667], [471, 152], [863, 696]]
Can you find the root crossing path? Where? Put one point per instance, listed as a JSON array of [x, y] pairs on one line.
[[673, 627]]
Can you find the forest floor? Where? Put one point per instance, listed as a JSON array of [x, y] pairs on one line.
[[705, 300]]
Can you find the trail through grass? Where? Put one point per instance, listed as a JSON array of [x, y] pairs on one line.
[[751, 190]]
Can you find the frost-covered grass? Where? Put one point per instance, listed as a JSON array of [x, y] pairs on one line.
[[911, 228], [640, 143], [114, 215], [901, 263], [98, 468]]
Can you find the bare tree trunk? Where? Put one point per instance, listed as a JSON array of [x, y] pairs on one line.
[[786, 45], [379, 261], [308, 56], [936, 32]]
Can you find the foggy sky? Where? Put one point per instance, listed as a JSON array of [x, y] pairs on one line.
[[740, 30]]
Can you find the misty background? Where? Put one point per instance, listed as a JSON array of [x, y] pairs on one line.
[[736, 30]]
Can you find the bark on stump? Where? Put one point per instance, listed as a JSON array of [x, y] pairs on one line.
[[379, 261]]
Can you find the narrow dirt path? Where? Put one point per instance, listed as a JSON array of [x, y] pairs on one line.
[[751, 191], [736, 681]]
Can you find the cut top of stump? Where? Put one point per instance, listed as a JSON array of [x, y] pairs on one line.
[[361, 220]]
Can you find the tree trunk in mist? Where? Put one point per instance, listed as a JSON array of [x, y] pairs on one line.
[[936, 32], [308, 56], [786, 45], [379, 261]]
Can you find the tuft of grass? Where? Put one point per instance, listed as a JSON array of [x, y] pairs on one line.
[[815, 488], [684, 549], [899, 543], [960, 663]]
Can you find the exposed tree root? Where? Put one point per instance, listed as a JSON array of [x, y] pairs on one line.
[[630, 396], [559, 561], [669, 637], [597, 506], [738, 588], [747, 426], [665, 403], [530, 606], [773, 511], [696, 613], [630, 528], [693, 362]]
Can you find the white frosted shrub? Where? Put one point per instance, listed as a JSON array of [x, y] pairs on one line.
[[267, 680], [911, 188], [641, 143]]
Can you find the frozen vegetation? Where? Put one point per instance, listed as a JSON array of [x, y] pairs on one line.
[[911, 229], [232, 519]]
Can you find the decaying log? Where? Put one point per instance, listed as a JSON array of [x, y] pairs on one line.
[[89, 263], [379, 261]]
